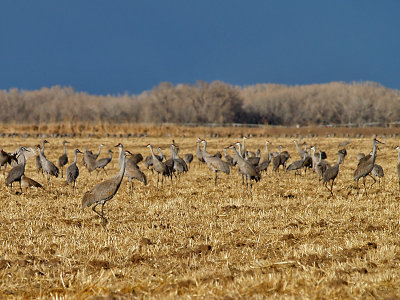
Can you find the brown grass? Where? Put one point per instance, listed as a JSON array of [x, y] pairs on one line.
[[287, 238], [105, 129]]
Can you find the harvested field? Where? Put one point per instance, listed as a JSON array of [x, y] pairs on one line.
[[286, 238]]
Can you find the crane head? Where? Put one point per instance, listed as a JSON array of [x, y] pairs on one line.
[[65, 142], [397, 148], [118, 145], [78, 151], [149, 145], [379, 142], [46, 142]]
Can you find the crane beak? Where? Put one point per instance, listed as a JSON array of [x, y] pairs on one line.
[[117, 145], [379, 141]]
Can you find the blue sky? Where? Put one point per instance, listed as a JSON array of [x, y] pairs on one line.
[[113, 47]]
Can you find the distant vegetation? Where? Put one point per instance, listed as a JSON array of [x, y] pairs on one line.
[[216, 102]]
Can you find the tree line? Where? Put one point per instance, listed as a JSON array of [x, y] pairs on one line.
[[216, 102]]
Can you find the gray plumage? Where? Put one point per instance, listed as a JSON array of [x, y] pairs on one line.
[[377, 171], [199, 153], [301, 152], [263, 166], [48, 167], [104, 191], [63, 159], [89, 160], [216, 164], [103, 162], [365, 166], [180, 165], [247, 170], [159, 166], [228, 158], [332, 172], [321, 167], [132, 170], [296, 166], [73, 170], [6, 158], [37, 159], [188, 158], [27, 182], [17, 172]]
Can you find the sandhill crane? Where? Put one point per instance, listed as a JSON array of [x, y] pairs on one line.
[[63, 159], [301, 152], [263, 166], [73, 170], [179, 164], [103, 162], [199, 153], [344, 152], [6, 158], [27, 182], [332, 172], [314, 157], [296, 166], [48, 167], [89, 160], [132, 171], [245, 168], [398, 164], [148, 162], [284, 157], [95, 155], [188, 158], [364, 168], [136, 158], [16, 172], [37, 159], [228, 158], [214, 163], [321, 167], [159, 166], [254, 160], [377, 171], [104, 191]]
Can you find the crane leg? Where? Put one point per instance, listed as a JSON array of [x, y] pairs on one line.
[[105, 171], [332, 186], [20, 186], [131, 188], [216, 176], [102, 215], [373, 179], [365, 188], [62, 172]]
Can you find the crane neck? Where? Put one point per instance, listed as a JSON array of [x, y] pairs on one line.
[[266, 149], [122, 167], [65, 148], [398, 156], [240, 150], [43, 145], [21, 151], [173, 154], [109, 154], [76, 157], [121, 155]]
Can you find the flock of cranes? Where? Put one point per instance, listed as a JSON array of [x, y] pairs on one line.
[[250, 165]]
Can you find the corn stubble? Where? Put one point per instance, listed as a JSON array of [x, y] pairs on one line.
[[286, 238]]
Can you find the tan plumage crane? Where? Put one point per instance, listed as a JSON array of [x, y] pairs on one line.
[[104, 191], [364, 168]]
